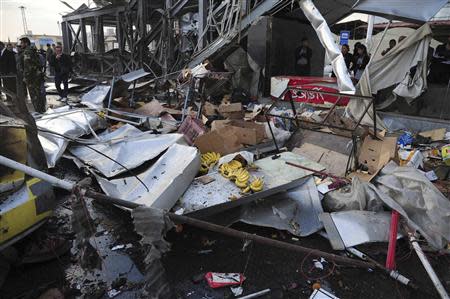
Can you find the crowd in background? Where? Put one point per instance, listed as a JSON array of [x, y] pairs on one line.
[[23, 70], [438, 60]]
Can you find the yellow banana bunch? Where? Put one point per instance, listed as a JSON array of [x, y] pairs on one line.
[[257, 185], [241, 177], [227, 169], [208, 159]]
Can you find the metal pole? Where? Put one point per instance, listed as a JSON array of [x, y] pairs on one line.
[[426, 264], [111, 91], [390, 260], [36, 173], [255, 295], [273, 136]]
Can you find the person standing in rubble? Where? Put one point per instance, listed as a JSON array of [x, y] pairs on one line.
[[303, 56], [62, 65], [31, 71], [360, 61], [7, 68]]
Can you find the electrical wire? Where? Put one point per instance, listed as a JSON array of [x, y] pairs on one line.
[[330, 272]]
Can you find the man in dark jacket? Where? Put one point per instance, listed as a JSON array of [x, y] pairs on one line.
[[8, 68], [63, 67], [303, 59]]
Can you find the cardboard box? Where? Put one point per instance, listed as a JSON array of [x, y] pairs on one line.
[[209, 109], [377, 153], [435, 135], [227, 108], [333, 161], [249, 133], [234, 115], [220, 141]]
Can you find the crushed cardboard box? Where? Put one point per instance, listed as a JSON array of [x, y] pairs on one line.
[[333, 161], [247, 132], [375, 154], [210, 109], [435, 135], [220, 141], [231, 111]]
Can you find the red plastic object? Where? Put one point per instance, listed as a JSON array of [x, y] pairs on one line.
[[326, 84], [218, 280], [390, 260]]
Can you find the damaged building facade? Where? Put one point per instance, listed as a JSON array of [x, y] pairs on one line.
[[163, 37]]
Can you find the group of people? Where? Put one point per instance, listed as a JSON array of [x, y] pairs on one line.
[[356, 62], [24, 71]]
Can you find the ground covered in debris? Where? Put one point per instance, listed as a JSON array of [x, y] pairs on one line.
[[195, 252]]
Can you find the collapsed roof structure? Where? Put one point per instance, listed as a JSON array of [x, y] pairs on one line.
[[165, 36]]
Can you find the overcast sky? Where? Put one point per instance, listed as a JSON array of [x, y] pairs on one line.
[[41, 15]]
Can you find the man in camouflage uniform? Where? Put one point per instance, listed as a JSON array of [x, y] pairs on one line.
[[33, 77]]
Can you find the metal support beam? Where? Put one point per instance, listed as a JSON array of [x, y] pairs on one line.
[[247, 20], [67, 37], [99, 37], [202, 20], [84, 43]]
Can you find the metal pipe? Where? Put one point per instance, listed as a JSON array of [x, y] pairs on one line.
[[111, 92], [390, 260], [36, 173], [426, 264], [257, 294], [392, 273], [323, 173], [266, 241]]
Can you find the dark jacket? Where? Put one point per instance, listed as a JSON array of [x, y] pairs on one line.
[[348, 59], [63, 65], [8, 63], [360, 66]]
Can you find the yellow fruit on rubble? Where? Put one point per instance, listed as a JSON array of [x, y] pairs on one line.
[[234, 164], [241, 184], [208, 159], [246, 190], [257, 185], [203, 168]]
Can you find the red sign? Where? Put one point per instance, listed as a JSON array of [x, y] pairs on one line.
[[326, 84]]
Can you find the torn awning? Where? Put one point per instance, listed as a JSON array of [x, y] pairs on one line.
[[391, 69], [405, 10]]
